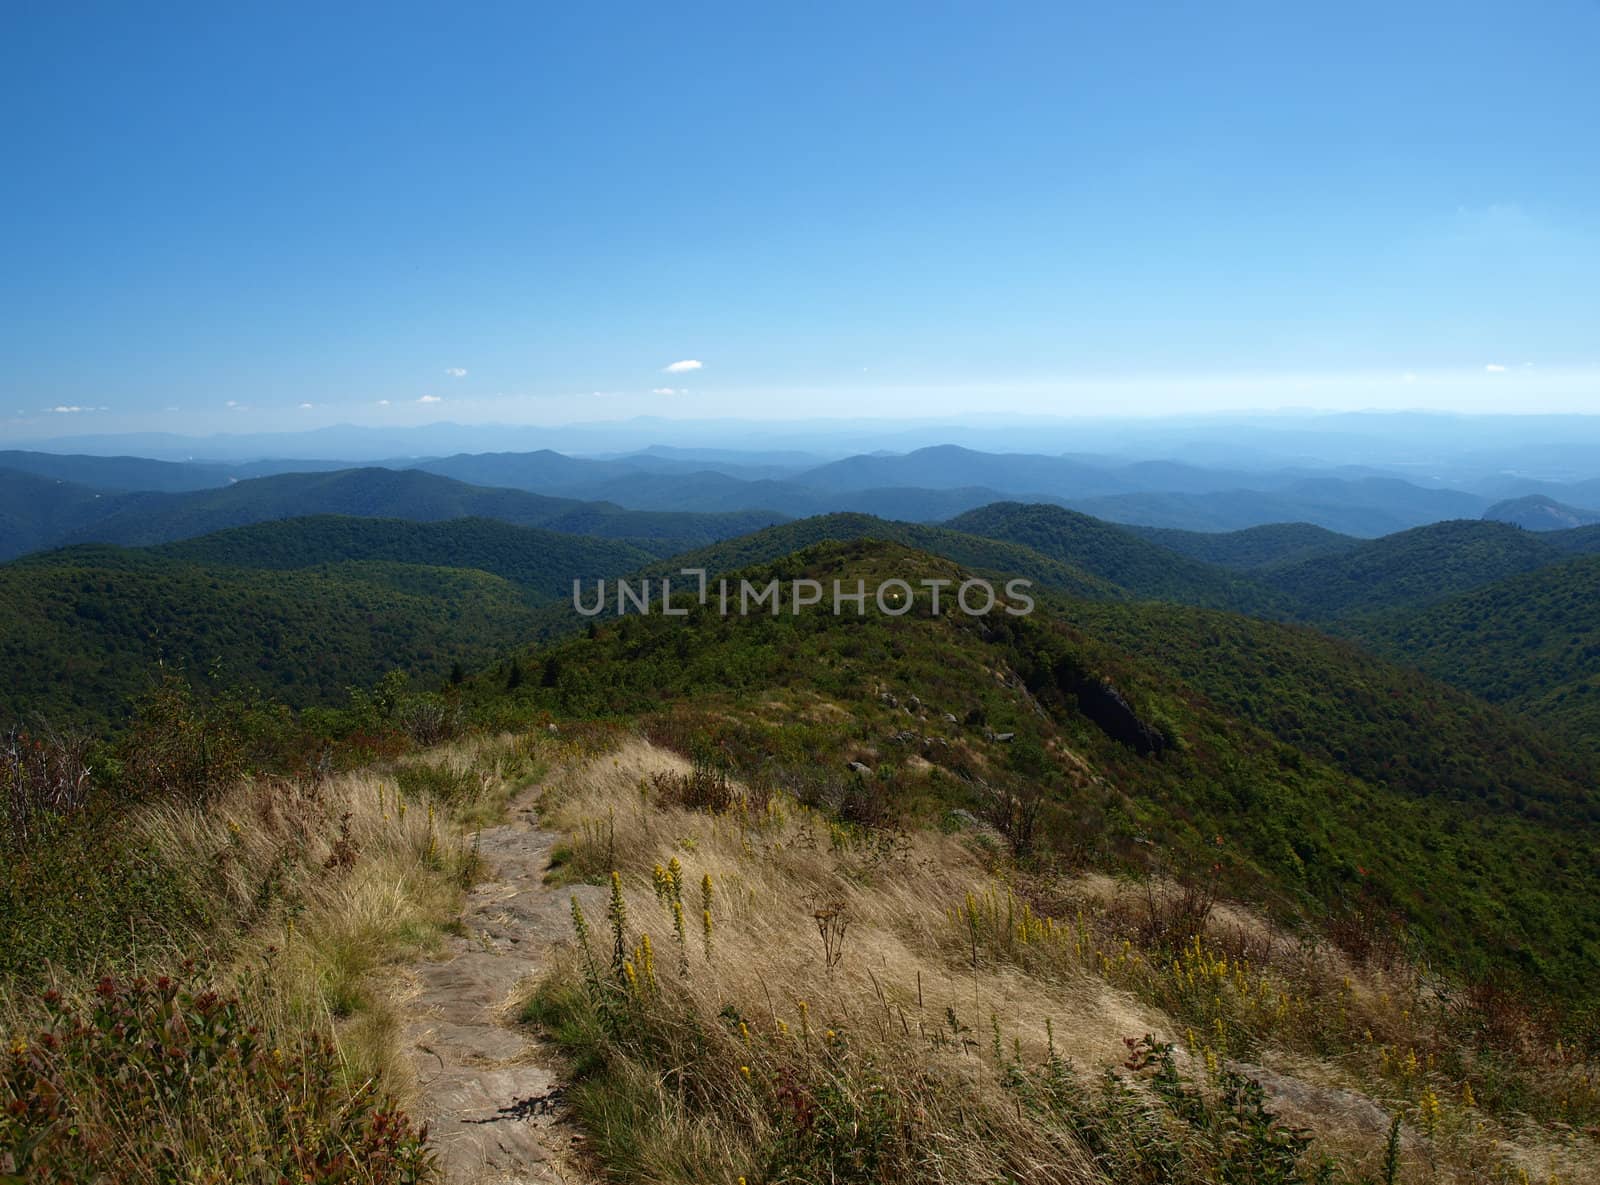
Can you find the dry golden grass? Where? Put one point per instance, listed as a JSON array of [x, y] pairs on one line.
[[938, 990], [313, 893], [331, 881], [911, 961]]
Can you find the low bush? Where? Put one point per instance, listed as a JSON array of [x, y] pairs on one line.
[[167, 1080]]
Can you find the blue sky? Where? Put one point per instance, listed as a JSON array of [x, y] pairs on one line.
[[271, 216]]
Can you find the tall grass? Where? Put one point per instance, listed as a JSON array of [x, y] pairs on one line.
[[253, 1038], [869, 1005]]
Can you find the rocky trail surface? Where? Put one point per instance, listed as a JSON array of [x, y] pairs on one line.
[[486, 1086]]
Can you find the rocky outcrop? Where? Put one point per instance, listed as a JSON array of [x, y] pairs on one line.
[[1101, 702], [1065, 680]]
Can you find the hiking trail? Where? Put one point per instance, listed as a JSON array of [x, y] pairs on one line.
[[486, 1085]]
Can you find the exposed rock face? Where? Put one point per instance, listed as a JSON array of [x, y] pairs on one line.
[[1101, 702]]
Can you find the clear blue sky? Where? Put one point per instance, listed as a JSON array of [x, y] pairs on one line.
[[867, 207]]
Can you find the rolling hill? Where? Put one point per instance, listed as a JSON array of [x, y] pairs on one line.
[[146, 518], [1530, 643], [1056, 548], [1408, 568], [542, 563], [1154, 730], [82, 630], [1367, 508], [1144, 569], [116, 473], [545, 471], [1252, 547], [988, 555], [947, 466], [1536, 512], [38, 512], [936, 482], [1575, 541]]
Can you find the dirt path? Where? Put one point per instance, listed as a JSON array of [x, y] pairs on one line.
[[485, 1085]]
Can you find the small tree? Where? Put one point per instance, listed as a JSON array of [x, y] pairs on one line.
[[180, 744], [44, 773], [1014, 809]]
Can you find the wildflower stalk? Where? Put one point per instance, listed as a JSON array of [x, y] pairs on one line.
[[682, 936], [617, 911]]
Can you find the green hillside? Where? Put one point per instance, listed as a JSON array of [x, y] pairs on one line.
[[972, 551], [115, 473], [1366, 507], [140, 520], [1572, 708], [1536, 512], [1253, 547], [1388, 724], [1531, 643], [37, 511], [41, 513], [1277, 741], [660, 532], [542, 562], [81, 630], [1576, 541], [1409, 568], [1115, 554]]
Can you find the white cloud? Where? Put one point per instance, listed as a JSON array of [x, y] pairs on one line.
[[233, 403], [1408, 377], [663, 390], [383, 403], [430, 399], [456, 372], [305, 406], [1495, 368], [685, 366], [63, 410]]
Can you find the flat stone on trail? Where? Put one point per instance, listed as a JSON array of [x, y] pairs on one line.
[[486, 1085]]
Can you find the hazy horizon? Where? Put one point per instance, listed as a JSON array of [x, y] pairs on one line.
[[1433, 448]]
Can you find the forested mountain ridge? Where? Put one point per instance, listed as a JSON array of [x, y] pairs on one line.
[[1530, 642], [1275, 738], [1536, 512], [542, 562], [988, 555], [1252, 547], [1147, 570], [146, 518], [1407, 568], [83, 631]]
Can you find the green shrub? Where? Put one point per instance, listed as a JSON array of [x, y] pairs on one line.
[[85, 895], [166, 1081]]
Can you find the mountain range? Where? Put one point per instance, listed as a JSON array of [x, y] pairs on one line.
[[50, 500]]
